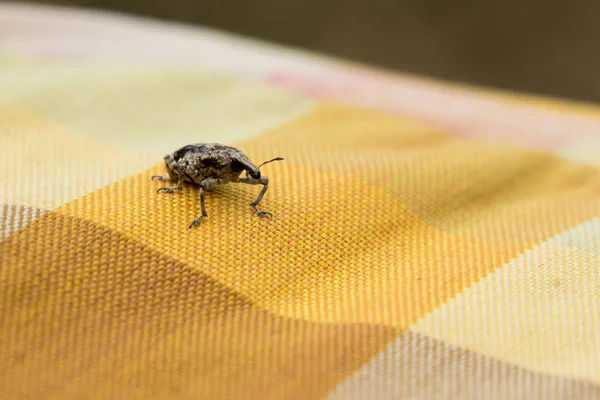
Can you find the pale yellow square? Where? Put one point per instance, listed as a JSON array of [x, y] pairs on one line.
[[541, 310]]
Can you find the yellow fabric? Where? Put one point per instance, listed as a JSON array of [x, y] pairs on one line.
[[403, 260]]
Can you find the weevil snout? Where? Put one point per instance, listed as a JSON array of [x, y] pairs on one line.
[[254, 174]]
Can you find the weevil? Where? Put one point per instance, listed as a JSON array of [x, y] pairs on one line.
[[206, 165]]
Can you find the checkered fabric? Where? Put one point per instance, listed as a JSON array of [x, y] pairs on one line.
[[427, 241]]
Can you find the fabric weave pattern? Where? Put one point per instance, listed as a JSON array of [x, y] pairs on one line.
[[413, 253]]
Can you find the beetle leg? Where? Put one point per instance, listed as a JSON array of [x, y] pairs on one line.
[[263, 180], [172, 188], [162, 178], [205, 184], [202, 209]]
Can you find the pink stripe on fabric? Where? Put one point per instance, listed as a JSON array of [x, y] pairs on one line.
[[467, 115]]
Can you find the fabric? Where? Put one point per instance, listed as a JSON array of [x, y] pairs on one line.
[[428, 241]]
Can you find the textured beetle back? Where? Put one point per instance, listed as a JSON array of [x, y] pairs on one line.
[[203, 161]]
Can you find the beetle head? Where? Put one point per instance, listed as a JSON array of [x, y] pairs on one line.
[[240, 163], [256, 174]]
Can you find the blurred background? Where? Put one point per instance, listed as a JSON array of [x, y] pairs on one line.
[[549, 48]]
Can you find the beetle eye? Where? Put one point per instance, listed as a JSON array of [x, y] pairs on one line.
[[237, 166]]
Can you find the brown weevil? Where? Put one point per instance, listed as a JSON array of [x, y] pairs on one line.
[[209, 164]]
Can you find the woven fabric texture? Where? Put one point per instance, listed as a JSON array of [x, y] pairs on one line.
[[427, 242]]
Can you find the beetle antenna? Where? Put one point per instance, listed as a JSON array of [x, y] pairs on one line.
[[275, 159]]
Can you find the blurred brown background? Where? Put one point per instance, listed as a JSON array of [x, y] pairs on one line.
[[546, 47]]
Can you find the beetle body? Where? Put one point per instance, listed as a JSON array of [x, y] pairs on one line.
[[198, 162], [208, 164]]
